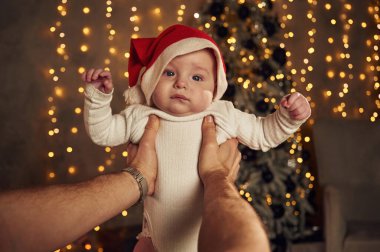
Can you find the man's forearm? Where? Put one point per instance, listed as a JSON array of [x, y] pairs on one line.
[[224, 213], [48, 218]]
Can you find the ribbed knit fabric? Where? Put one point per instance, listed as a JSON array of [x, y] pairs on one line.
[[173, 214]]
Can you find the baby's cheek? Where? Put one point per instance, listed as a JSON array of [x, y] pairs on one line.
[[207, 96]]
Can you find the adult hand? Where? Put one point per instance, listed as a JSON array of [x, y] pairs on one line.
[[143, 156], [214, 160]]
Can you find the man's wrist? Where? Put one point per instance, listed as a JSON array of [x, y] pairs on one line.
[[140, 180]]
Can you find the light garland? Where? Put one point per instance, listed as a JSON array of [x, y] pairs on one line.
[[347, 74]]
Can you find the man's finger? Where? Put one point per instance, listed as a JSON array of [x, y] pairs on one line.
[[208, 130], [151, 129], [132, 151]]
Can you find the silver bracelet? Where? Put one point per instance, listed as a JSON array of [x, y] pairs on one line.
[[141, 181]]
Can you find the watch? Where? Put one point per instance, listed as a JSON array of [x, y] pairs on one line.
[[141, 181]]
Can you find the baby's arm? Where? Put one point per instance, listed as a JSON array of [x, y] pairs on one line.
[[103, 128], [268, 132]]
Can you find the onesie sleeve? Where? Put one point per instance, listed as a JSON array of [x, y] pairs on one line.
[[104, 128], [264, 133]]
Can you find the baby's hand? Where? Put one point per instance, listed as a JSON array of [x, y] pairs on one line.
[[99, 78], [296, 105]]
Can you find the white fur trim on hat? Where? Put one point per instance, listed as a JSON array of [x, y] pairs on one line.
[[134, 95]]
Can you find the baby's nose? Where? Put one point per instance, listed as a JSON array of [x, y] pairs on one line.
[[180, 83]]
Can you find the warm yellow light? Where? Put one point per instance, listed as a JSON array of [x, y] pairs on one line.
[[51, 154], [51, 175], [87, 246], [330, 40], [330, 74], [69, 247], [328, 58], [124, 153], [80, 89], [328, 6], [77, 110], [124, 213], [60, 50], [97, 228], [58, 91], [101, 168], [307, 139], [157, 11], [86, 31], [69, 149], [71, 169], [86, 10], [107, 149], [333, 21], [134, 9], [74, 130], [112, 50], [84, 48], [81, 70], [52, 29]]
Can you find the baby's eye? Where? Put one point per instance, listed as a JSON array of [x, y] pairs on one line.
[[168, 73], [197, 78]]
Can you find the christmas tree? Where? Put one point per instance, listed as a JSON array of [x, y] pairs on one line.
[[276, 183]]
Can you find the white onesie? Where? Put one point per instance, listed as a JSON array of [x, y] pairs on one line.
[[172, 216]]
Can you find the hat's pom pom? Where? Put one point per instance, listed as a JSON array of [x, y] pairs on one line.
[[134, 95]]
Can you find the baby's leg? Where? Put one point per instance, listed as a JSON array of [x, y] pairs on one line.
[[144, 244]]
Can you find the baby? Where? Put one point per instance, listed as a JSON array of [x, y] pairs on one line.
[[180, 77]]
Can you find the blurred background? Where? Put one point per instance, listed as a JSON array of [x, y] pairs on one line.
[[326, 50]]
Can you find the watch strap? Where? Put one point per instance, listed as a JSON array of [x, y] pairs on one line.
[[141, 182]]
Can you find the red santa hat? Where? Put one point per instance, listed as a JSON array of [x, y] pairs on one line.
[[149, 56]]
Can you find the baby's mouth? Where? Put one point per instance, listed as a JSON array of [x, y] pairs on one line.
[[179, 97]]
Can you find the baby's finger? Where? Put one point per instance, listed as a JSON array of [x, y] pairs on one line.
[[292, 98], [108, 86], [296, 104], [106, 74], [96, 73], [89, 74]]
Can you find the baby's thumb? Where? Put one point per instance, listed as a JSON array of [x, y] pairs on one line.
[[284, 103], [108, 86]]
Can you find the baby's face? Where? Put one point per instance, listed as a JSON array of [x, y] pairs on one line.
[[187, 84]]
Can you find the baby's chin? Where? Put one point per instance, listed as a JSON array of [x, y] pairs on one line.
[[182, 112]]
